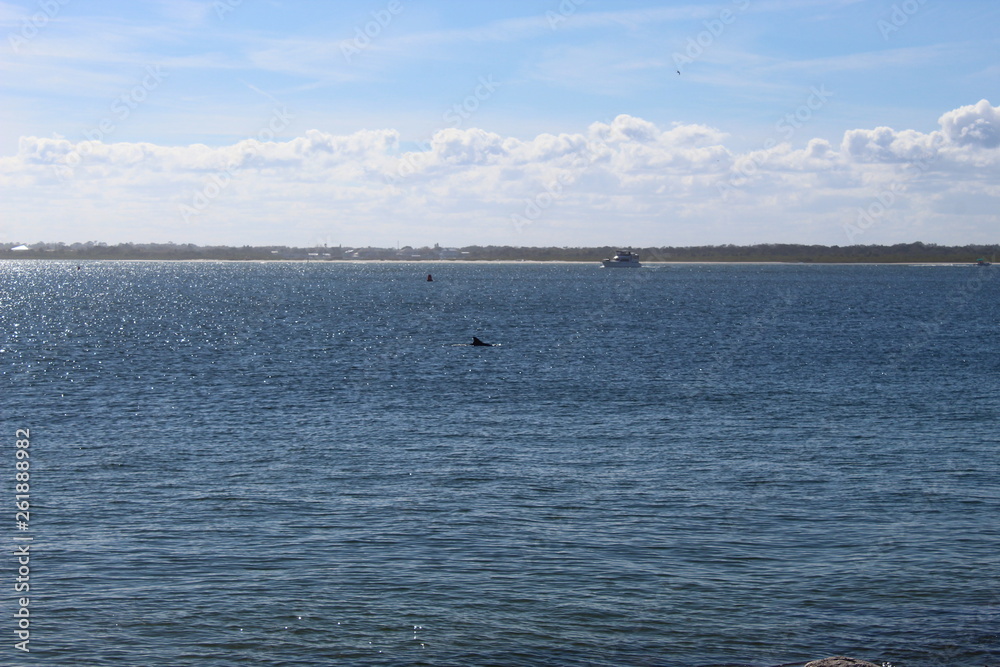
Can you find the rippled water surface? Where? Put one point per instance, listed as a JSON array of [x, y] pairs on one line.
[[305, 464]]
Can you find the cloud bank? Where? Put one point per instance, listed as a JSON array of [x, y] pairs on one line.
[[626, 181]]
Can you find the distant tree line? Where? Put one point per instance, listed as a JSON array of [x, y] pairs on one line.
[[766, 252]]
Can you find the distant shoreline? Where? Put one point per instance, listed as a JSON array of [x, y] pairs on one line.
[[768, 253], [444, 262]]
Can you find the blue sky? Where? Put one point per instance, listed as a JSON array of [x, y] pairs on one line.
[[557, 122]]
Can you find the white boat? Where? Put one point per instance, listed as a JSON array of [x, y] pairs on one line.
[[623, 259]]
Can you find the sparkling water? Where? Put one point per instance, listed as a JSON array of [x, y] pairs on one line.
[[680, 465]]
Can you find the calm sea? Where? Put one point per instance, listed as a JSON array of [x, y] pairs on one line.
[[683, 465]]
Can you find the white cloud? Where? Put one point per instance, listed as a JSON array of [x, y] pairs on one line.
[[883, 144], [628, 180], [974, 125]]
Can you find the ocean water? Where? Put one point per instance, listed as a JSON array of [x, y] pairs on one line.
[[682, 465]]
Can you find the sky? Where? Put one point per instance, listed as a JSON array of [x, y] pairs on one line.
[[525, 122]]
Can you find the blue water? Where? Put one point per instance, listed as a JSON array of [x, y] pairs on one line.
[[685, 465]]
